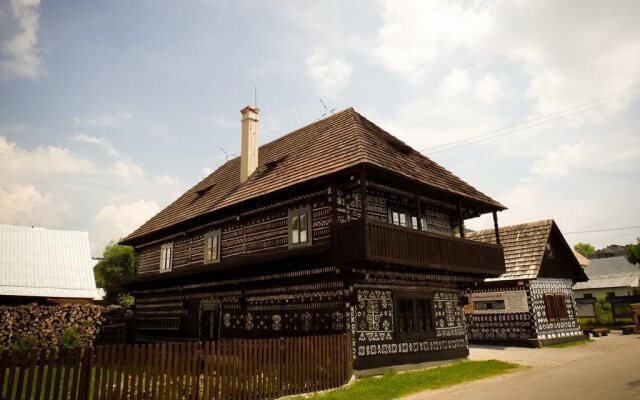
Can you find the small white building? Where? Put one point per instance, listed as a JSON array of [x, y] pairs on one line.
[[45, 266], [611, 276]]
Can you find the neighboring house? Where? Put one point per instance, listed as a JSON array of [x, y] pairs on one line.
[[582, 260], [532, 303], [613, 250], [45, 266], [335, 227], [611, 277]]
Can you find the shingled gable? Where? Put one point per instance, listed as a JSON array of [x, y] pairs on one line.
[[342, 140], [524, 248]]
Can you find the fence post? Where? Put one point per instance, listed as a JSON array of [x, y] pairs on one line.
[[84, 386]]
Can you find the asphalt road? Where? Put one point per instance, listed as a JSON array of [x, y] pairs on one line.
[[607, 369]]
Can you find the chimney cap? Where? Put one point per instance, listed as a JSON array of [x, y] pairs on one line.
[[247, 109]]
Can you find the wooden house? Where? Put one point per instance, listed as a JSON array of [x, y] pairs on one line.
[[532, 303], [335, 227]]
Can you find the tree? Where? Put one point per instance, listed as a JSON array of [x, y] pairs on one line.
[[633, 252], [586, 249], [117, 266]]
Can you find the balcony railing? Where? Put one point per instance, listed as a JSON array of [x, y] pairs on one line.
[[381, 242]]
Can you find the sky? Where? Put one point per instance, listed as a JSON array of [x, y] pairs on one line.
[[111, 110]]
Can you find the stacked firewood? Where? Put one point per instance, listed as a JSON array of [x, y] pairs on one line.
[[47, 322], [115, 326]]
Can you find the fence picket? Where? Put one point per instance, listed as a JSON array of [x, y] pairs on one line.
[[226, 369]]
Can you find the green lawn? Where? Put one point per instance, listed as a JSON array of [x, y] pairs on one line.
[[569, 344], [394, 385]]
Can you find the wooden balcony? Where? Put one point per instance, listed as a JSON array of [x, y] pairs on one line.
[[357, 242]]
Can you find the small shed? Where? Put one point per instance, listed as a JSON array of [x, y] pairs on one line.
[[45, 266]]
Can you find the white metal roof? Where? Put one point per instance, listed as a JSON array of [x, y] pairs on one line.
[[611, 272], [45, 263]]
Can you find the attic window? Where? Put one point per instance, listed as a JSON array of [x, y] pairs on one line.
[[203, 191], [398, 144], [273, 163]]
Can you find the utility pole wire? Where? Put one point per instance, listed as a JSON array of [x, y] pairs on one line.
[[544, 119], [603, 230]]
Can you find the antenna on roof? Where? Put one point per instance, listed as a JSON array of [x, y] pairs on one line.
[[225, 153], [326, 109]]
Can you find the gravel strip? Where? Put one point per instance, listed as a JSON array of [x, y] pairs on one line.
[[546, 357]]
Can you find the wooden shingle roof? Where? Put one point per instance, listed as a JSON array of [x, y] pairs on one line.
[[340, 141], [524, 246], [524, 249]]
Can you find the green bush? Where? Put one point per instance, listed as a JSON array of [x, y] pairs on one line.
[[126, 301], [24, 342], [603, 311], [69, 337]]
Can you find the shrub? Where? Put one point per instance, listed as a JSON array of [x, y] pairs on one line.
[[69, 337], [126, 301], [24, 341], [603, 311]]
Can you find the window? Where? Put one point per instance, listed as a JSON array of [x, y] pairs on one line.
[[587, 296], [413, 315], [212, 247], [489, 305], [611, 294], [166, 254], [555, 307], [403, 218], [549, 252], [300, 227]]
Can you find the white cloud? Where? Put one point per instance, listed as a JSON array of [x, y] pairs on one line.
[[489, 89], [21, 57], [455, 84], [115, 221], [415, 34], [127, 171], [109, 120], [25, 205], [101, 142], [166, 179], [330, 74], [593, 155], [18, 164]]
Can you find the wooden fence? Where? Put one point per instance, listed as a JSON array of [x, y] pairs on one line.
[[228, 369]]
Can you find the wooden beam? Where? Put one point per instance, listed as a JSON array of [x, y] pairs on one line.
[[461, 219], [363, 193], [419, 209], [495, 226]]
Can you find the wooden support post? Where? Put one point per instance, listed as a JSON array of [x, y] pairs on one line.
[[495, 226], [363, 193], [461, 219], [419, 210]]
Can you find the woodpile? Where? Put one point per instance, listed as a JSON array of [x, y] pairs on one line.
[[116, 325], [47, 322]]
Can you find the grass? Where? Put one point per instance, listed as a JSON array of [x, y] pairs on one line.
[[569, 344], [394, 385]]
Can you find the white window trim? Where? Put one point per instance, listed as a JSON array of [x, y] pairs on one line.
[[217, 233], [162, 250], [300, 211]]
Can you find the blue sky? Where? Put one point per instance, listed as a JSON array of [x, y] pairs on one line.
[[110, 110]]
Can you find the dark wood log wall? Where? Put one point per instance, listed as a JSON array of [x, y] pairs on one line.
[[257, 233]]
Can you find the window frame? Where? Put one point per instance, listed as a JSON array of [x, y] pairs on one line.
[[408, 217], [414, 297], [166, 246], [293, 213], [212, 234], [555, 307]]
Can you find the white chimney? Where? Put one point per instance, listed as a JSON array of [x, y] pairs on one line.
[[249, 151]]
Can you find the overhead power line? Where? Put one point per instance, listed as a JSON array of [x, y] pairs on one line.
[[603, 230], [541, 120]]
